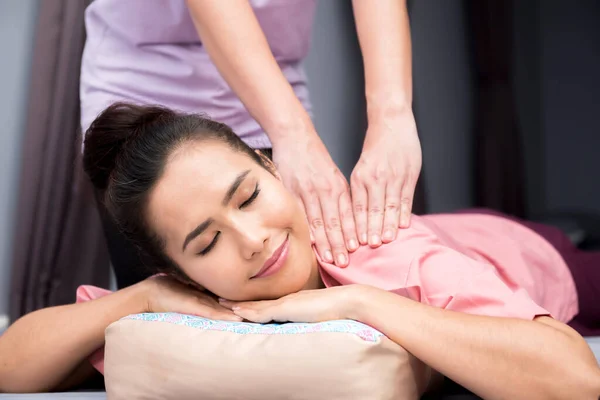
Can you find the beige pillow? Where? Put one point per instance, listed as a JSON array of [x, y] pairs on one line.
[[174, 356]]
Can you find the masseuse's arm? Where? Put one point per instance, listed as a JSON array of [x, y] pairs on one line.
[[238, 47], [47, 349], [384, 179]]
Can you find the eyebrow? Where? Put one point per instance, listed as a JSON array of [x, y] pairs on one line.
[[228, 196]]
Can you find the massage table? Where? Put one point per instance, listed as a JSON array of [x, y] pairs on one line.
[[594, 343]]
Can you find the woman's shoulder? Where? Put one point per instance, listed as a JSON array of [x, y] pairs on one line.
[[388, 265]]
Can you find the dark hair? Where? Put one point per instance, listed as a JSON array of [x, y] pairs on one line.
[[125, 152]]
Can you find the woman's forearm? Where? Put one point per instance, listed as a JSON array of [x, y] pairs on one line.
[[384, 35], [237, 46], [497, 358], [40, 350]]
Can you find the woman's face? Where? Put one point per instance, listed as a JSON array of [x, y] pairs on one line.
[[231, 225]]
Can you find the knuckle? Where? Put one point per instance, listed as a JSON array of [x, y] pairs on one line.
[[333, 224], [340, 181], [380, 174], [310, 189], [357, 176], [391, 207], [405, 201], [337, 189], [359, 208], [317, 223], [347, 213], [375, 210]]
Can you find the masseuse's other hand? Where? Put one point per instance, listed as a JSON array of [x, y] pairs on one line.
[[384, 179], [308, 171], [305, 306], [165, 294]]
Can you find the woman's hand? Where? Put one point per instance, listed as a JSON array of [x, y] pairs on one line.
[[308, 171], [165, 294], [305, 306], [384, 179]]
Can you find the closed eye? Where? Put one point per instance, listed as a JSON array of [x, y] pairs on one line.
[[251, 198], [246, 203], [211, 245]]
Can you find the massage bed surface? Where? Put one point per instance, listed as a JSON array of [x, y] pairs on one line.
[[594, 343]]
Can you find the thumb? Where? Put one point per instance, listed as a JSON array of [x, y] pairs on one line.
[[215, 312]]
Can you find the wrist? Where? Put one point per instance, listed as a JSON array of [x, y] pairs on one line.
[[395, 124], [359, 300], [289, 127], [382, 107], [141, 295]]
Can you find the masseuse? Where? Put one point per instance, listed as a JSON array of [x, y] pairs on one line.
[[240, 61]]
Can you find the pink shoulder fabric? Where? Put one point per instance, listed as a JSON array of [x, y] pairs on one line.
[[87, 293], [426, 267]]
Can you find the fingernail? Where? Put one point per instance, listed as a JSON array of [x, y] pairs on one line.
[[341, 259], [363, 238], [352, 245], [374, 240], [388, 235], [328, 256]]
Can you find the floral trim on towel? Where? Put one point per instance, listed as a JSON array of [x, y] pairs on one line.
[[363, 331]]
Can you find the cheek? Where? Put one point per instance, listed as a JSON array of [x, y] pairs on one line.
[[281, 210], [219, 273]]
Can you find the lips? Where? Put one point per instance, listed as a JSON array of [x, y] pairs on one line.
[[276, 261]]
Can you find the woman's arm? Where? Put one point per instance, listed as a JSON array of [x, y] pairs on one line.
[[496, 358], [238, 47], [384, 179], [42, 349], [47, 349]]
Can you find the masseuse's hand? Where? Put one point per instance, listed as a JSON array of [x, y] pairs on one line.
[[384, 179], [165, 294], [305, 306], [308, 171]]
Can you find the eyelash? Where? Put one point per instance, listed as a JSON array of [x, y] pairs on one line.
[[211, 245], [251, 198], [246, 203]]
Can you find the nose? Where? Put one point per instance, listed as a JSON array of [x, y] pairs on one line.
[[253, 237]]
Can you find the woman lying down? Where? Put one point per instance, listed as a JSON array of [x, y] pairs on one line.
[[482, 299]]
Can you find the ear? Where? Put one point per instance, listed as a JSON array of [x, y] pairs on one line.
[[268, 164]]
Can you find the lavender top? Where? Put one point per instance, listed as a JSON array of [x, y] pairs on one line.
[[148, 52]]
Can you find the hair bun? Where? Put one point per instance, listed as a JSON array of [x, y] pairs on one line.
[[108, 135]]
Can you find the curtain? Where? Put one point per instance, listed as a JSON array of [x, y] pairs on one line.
[[499, 167], [59, 242]]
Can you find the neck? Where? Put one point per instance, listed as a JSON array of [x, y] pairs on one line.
[[314, 281]]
